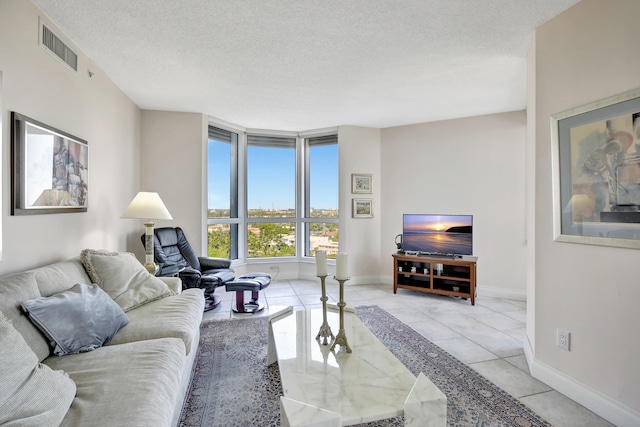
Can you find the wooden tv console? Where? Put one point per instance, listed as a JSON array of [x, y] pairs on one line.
[[456, 277]]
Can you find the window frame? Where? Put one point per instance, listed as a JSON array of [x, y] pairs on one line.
[[306, 218], [275, 220], [302, 217], [235, 204]]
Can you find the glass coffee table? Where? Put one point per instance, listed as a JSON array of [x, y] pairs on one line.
[[325, 388]]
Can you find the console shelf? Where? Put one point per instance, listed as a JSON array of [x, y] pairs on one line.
[[436, 275]]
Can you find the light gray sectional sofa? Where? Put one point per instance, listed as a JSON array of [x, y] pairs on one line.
[[138, 378]]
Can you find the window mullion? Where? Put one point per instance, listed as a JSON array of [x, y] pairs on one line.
[[301, 196], [242, 197]]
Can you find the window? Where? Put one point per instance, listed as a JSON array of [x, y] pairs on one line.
[[321, 202], [271, 196], [222, 204]]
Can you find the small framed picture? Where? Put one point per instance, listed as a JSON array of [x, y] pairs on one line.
[[361, 183], [362, 208]]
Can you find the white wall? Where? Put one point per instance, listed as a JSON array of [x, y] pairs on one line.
[[464, 166], [587, 53], [359, 153], [2, 138], [94, 109], [530, 199], [173, 164]]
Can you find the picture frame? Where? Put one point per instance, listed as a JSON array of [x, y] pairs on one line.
[[596, 172], [361, 183], [49, 169], [362, 208]]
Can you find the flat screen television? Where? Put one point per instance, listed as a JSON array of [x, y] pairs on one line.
[[443, 235]]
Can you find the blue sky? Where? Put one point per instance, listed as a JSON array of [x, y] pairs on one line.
[[271, 180]]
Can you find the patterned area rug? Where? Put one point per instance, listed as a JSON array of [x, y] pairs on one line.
[[231, 385]]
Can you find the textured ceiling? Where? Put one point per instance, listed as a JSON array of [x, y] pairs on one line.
[[307, 64]]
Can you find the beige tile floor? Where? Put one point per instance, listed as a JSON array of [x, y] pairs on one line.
[[488, 336]]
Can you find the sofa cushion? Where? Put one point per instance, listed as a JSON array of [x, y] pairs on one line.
[[78, 320], [178, 316], [123, 278], [31, 394], [14, 289], [60, 276], [173, 283], [132, 384]]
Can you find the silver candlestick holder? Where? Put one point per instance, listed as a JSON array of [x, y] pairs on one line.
[[325, 329], [341, 338]]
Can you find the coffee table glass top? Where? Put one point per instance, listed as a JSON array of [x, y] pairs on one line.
[[366, 385]]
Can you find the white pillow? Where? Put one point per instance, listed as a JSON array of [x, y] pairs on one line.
[[31, 394], [123, 278], [78, 320]]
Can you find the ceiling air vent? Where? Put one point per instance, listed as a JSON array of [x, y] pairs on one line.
[[59, 49]]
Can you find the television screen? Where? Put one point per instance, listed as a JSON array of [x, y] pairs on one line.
[[437, 234]]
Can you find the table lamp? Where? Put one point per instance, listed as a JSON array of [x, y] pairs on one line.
[[147, 206]]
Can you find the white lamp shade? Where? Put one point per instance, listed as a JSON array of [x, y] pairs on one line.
[[147, 205]]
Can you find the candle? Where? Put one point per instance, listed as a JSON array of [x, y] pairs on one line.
[[321, 263], [341, 266]]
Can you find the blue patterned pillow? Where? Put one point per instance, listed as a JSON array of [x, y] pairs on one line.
[[78, 320]]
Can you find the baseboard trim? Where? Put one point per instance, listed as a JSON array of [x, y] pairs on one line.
[[365, 280], [482, 291], [355, 280], [528, 351], [493, 292], [597, 402]]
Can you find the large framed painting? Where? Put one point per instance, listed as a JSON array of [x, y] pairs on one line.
[[596, 164], [49, 169]]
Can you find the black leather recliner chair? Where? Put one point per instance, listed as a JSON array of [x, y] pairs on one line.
[[174, 255]]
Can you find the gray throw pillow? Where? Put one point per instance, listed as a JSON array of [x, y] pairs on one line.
[[122, 276], [78, 320]]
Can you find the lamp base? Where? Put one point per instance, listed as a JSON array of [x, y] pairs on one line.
[[152, 268], [148, 248]]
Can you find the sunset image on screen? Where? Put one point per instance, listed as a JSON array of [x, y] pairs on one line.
[[429, 223], [438, 234]]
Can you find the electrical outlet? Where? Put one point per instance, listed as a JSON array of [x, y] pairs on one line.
[[274, 267], [562, 339]]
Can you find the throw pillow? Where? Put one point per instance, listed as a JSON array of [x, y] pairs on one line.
[[78, 320], [31, 394], [121, 276]]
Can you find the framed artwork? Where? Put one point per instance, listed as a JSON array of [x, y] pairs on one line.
[[361, 183], [362, 208], [596, 166], [49, 169]]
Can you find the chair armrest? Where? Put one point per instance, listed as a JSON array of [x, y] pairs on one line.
[[254, 276], [169, 270], [173, 283], [190, 277], [207, 263]]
